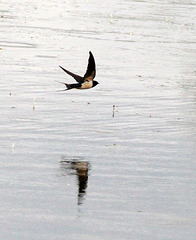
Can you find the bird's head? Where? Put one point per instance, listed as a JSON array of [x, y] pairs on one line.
[[95, 83]]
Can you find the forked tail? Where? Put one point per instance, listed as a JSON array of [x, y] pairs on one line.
[[70, 86]]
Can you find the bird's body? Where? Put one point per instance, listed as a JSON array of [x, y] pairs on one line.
[[85, 82]]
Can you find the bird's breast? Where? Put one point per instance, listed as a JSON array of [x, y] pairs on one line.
[[86, 84]]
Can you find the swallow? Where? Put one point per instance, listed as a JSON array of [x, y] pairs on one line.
[[86, 81]]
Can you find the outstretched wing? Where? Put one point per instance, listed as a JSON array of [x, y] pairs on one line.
[[76, 77], [91, 71]]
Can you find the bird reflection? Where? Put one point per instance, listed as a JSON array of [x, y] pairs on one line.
[[80, 168]]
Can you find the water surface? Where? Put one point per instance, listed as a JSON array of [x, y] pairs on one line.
[[69, 169]]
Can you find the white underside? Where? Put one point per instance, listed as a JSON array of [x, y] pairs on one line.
[[86, 85]]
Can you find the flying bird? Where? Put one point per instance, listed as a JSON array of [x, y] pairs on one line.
[[86, 81]]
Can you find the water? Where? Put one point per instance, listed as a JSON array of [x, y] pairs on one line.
[[69, 169]]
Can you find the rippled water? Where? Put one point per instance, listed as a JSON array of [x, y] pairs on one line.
[[69, 169]]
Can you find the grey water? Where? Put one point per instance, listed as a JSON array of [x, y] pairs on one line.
[[113, 162]]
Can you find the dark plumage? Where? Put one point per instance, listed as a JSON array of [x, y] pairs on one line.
[[86, 81]]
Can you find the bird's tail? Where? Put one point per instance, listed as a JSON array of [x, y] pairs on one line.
[[67, 86], [70, 86]]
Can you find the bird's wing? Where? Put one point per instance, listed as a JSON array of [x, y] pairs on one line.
[[91, 71], [76, 77]]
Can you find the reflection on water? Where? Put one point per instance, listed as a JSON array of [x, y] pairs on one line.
[[76, 166]]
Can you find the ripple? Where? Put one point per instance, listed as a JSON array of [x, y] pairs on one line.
[[16, 44]]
